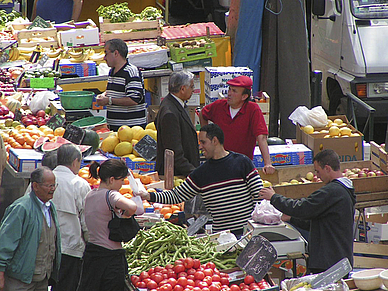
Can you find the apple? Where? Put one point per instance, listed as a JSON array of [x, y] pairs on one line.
[[366, 170], [371, 174], [34, 119], [4, 109], [379, 173], [27, 121], [40, 113], [41, 121], [310, 176], [361, 174], [356, 170], [353, 176]]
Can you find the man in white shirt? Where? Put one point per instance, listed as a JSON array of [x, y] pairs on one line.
[[69, 200]]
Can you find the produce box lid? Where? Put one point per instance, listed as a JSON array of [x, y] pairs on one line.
[[191, 30]]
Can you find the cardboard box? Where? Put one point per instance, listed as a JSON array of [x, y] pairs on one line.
[[348, 148], [78, 37], [220, 75], [379, 157], [142, 167], [376, 228], [191, 65], [87, 68], [25, 160], [296, 154]]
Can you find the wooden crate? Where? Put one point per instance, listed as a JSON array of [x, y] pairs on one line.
[[379, 157], [46, 37], [137, 30], [375, 255]]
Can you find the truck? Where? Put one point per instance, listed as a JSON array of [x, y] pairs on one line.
[[349, 45]]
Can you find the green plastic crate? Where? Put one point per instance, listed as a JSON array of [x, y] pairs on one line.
[[76, 99], [90, 121], [185, 54]]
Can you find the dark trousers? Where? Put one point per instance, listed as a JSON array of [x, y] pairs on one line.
[[103, 269], [69, 274]]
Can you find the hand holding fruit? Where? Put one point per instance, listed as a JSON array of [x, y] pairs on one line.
[[269, 169], [266, 193]]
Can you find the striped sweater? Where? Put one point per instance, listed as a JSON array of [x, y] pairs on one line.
[[229, 188], [127, 82]]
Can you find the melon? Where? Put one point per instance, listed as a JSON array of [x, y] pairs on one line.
[[92, 139], [138, 132], [152, 133], [54, 145], [39, 142], [86, 150], [108, 145], [275, 141], [125, 133], [123, 148], [151, 125]]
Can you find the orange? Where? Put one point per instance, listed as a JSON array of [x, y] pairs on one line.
[[59, 131], [27, 146], [48, 131], [145, 179], [127, 195], [175, 207], [50, 136], [165, 210], [20, 139], [136, 175], [125, 189], [167, 215], [146, 204], [126, 181]]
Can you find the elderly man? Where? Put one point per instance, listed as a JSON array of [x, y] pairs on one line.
[[241, 120], [228, 183], [69, 200], [175, 128], [328, 213], [124, 95], [30, 249]]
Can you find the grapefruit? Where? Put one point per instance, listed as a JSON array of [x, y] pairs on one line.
[[125, 133], [308, 129], [151, 125], [152, 133], [334, 131], [109, 144], [123, 148], [138, 132]]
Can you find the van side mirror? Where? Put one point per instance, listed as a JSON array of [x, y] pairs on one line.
[[318, 7]]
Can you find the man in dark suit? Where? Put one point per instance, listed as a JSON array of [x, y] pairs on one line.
[[175, 128]]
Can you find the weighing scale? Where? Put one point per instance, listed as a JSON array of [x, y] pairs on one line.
[[284, 237], [74, 115]]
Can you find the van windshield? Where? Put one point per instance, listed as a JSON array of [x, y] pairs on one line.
[[370, 8]]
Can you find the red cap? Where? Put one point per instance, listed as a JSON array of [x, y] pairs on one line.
[[241, 81]]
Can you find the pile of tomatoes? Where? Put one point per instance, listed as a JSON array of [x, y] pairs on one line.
[[185, 275], [190, 275]]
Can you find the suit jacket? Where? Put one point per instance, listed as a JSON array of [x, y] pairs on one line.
[[177, 133]]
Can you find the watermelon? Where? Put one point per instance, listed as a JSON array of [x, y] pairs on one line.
[[39, 142], [86, 150], [92, 139], [275, 141], [54, 145]]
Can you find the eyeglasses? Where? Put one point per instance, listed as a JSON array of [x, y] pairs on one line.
[[50, 186]]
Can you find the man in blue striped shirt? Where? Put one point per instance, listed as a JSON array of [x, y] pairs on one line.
[[228, 183], [124, 95]]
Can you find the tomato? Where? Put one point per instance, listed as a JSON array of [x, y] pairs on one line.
[[164, 281], [157, 277], [151, 271], [216, 278], [234, 287], [191, 271], [249, 279], [187, 289], [254, 286], [208, 280], [225, 288], [208, 272], [152, 284], [163, 271], [179, 262], [199, 275], [143, 275], [171, 274], [246, 289], [169, 266], [243, 285], [190, 282], [179, 268], [202, 284], [158, 269], [141, 284], [223, 275], [182, 274], [172, 281], [146, 280], [205, 289], [224, 281], [154, 290], [135, 279], [188, 263], [216, 271], [178, 287], [190, 277], [182, 281], [264, 284], [215, 287], [210, 265], [196, 263], [196, 289], [166, 287]]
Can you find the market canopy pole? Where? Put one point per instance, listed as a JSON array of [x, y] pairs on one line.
[[24, 9], [232, 22]]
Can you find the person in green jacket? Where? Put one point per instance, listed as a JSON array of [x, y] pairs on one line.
[[30, 249]]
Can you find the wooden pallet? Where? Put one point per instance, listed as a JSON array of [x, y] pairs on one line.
[[137, 30]]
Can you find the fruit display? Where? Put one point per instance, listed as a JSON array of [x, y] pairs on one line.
[[361, 173], [39, 118], [122, 142], [334, 129], [249, 283], [41, 73]]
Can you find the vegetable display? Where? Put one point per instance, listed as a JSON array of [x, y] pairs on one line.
[[8, 17], [121, 13], [165, 243]]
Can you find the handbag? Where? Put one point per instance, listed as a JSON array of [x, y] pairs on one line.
[[121, 229]]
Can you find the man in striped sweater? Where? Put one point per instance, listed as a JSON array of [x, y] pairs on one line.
[[124, 95], [228, 183]]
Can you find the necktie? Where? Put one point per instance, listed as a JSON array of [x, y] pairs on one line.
[[46, 211]]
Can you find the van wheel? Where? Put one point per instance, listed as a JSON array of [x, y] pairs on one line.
[[337, 100]]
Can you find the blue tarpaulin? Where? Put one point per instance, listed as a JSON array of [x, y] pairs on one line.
[[248, 43]]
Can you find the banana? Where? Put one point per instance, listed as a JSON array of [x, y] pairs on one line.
[[74, 54], [54, 53], [83, 57], [11, 53], [97, 57], [26, 50]]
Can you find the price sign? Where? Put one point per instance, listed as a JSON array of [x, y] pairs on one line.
[[56, 121], [74, 134], [257, 257], [146, 147], [43, 59], [39, 22], [42, 83]]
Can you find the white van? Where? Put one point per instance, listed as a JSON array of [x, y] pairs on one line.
[[349, 44]]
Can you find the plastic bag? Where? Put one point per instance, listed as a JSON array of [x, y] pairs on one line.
[[41, 100], [288, 284], [302, 115], [139, 204], [265, 213]]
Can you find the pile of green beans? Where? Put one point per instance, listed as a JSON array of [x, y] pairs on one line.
[[165, 242]]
